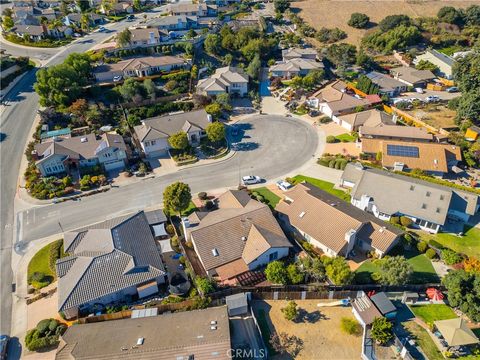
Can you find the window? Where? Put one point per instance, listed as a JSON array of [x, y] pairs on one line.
[[428, 194], [153, 142], [273, 256], [401, 150]]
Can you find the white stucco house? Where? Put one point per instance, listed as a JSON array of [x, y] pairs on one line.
[[63, 154], [152, 135], [229, 79]]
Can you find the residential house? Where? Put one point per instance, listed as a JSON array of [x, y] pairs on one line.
[[173, 22], [33, 32], [138, 67], [372, 118], [332, 225], [187, 335], [365, 310], [299, 53], [152, 135], [62, 155], [412, 77], [395, 132], [228, 79], [386, 84], [430, 206], [147, 37], [75, 19], [294, 67], [114, 261], [472, 133], [199, 10], [335, 100], [118, 8], [442, 61], [434, 158], [240, 236]]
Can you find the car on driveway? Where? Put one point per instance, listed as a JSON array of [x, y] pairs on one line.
[[283, 185], [102, 29], [117, 78], [432, 98], [251, 180], [452, 89]]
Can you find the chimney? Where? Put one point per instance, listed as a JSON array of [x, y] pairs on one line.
[[151, 38], [34, 155], [350, 237], [186, 222]]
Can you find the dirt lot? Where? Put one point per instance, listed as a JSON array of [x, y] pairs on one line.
[[436, 116], [336, 13], [320, 331]]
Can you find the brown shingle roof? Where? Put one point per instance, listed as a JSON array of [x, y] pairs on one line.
[[396, 131], [371, 118], [327, 219]]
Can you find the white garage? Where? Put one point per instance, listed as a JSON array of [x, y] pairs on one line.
[[119, 164]]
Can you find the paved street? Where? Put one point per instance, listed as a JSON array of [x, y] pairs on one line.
[[265, 150], [17, 114]]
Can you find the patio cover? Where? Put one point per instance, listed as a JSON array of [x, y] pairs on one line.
[[159, 230], [456, 332]]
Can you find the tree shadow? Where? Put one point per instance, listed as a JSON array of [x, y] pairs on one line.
[[310, 317], [245, 146], [3, 136]]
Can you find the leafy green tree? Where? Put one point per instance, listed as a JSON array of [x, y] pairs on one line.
[[83, 5], [81, 64], [276, 273], [58, 85], [129, 89], [7, 22], [397, 38], [338, 270], [281, 5], [137, 5], [463, 289], [191, 34], [450, 15], [313, 78], [295, 276], [466, 72], [359, 20], [472, 15], [214, 109], [253, 69], [426, 65], [124, 38], [341, 54], [179, 141], [312, 268], [204, 285], [366, 85], [215, 132], [224, 100], [177, 197], [392, 21], [212, 44], [290, 312], [395, 270], [382, 330], [450, 257], [150, 88]]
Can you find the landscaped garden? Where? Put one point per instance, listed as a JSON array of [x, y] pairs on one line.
[[323, 185], [423, 339], [41, 268], [468, 244], [267, 196], [423, 271]]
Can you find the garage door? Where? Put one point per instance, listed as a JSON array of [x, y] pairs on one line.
[[114, 165], [157, 154]]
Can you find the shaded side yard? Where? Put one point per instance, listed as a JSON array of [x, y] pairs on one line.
[[424, 341], [318, 327], [468, 244], [324, 185], [423, 271]]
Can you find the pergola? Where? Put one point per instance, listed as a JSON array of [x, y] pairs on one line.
[[456, 332]]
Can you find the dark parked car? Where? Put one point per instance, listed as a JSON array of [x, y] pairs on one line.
[[3, 346]]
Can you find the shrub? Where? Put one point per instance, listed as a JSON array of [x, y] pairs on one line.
[[422, 246], [450, 257], [204, 285], [331, 163], [260, 198], [56, 252], [42, 326], [435, 244], [358, 20], [350, 326], [202, 195], [170, 229], [290, 312], [395, 220], [294, 275], [430, 253], [331, 139], [382, 330], [405, 221]]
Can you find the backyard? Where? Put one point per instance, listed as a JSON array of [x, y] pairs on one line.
[[423, 340], [318, 328], [433, 312], [438, 116], [468, 244], [270, 198], [323, 185], [423, 271]]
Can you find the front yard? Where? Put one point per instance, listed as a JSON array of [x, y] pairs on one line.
[[318, 327], [468, 244], [423, 271], [323, 185], [41, 268], [270, 198]]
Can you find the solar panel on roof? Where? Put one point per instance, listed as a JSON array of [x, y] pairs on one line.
[[402, 150]]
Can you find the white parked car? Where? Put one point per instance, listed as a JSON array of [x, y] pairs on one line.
[[117, 78], [251, 179], [432, 98], [283, 185]]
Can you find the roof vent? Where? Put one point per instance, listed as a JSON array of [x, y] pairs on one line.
[[213, 327], [428, 193], [140, 341], [124, 348], [435, 161], [244, 238], [302, 214], [213, 322], [382, 229], [83, 139], [214, 252], [412, 187], [424, 206], [438, 210]]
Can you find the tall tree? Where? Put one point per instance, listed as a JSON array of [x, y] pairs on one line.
[[58, 85], [124, 38], [382, 330], [212, 44], [177, 197], [395, 270], [179, 141], [253, 69], [7, 22], [215, 132]]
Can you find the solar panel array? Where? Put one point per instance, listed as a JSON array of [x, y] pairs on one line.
[[402, 150]]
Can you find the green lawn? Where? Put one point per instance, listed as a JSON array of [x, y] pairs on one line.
[[191, 208], [424, 340], [345, 138], [433, 312], [270, 198], [324, 185], [40, 264], [468, 244], [423, 271]]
